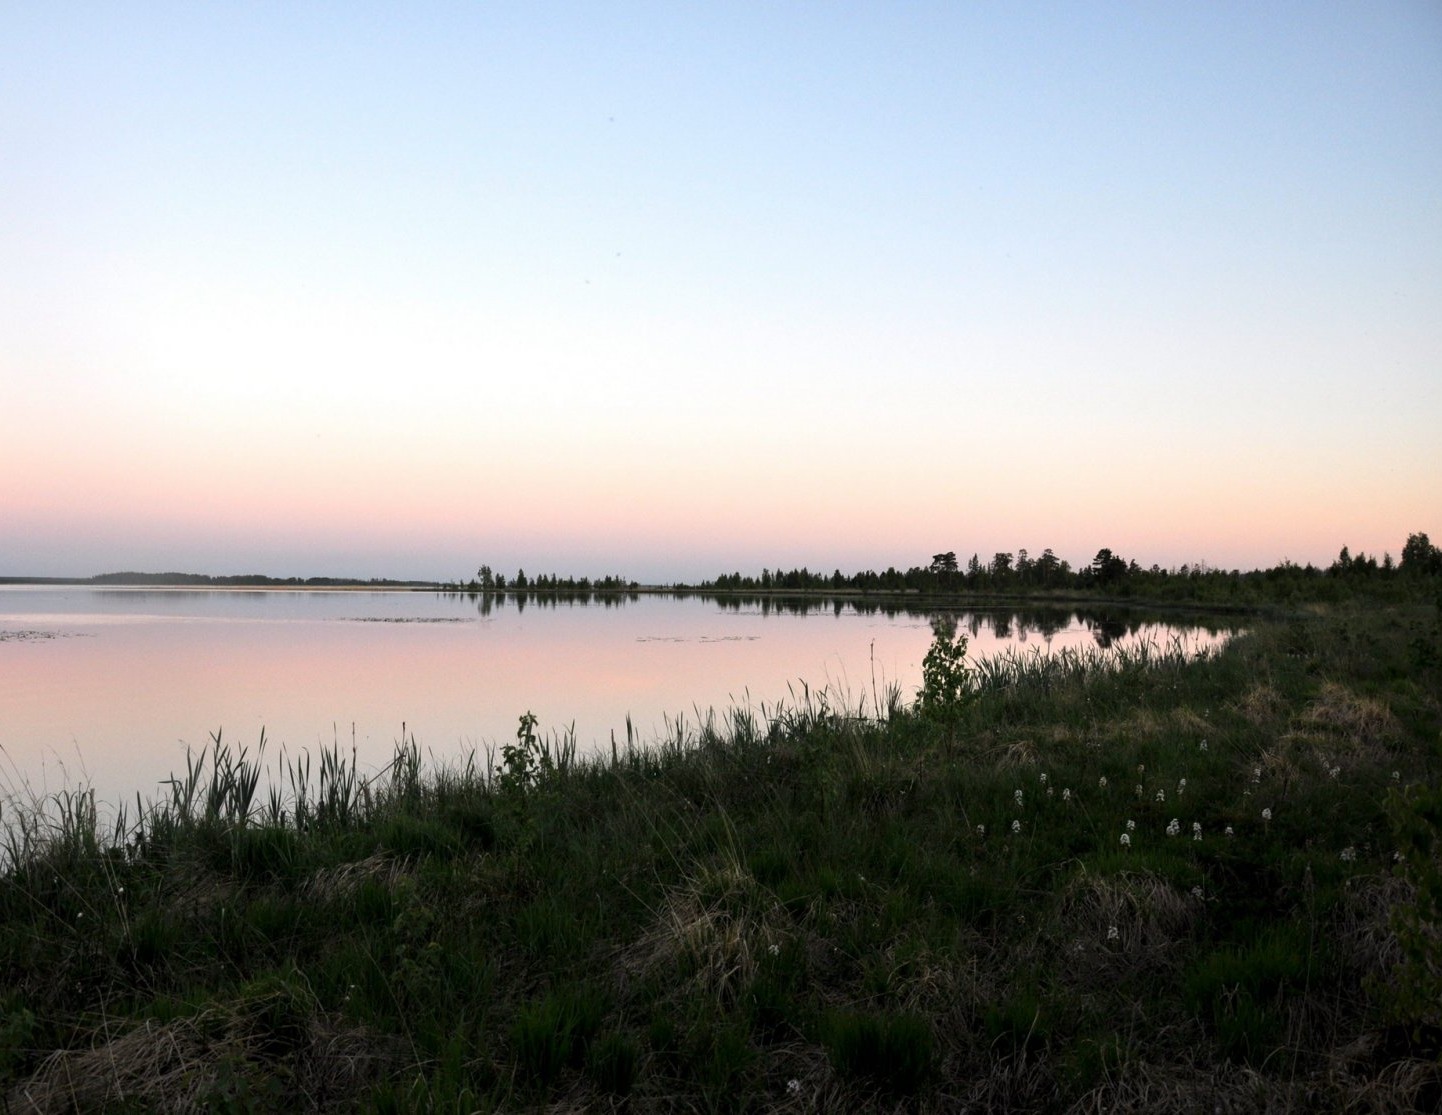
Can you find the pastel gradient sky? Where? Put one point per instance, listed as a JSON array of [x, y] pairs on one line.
[[672, 289]]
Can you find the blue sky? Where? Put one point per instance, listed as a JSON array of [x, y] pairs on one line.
[[392, 291]]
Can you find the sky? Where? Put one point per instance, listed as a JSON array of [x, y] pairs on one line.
[[670, 290]]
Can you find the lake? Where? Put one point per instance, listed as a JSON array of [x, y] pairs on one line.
[[108, 687]]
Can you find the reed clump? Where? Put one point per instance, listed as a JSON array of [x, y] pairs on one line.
[[1150, 879]]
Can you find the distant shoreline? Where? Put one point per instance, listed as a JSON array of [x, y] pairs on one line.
[[238, 581], [913, 597]]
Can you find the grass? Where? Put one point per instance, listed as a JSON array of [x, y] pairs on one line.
[[918, 906]]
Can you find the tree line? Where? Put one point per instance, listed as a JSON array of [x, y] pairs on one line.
[[489, 580], [1107, 573]]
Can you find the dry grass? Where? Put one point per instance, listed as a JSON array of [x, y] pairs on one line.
[[1017, 754], [1143, 723], [1361, 725], [1146, 1087], [1150, 918], [1189, 722], [711, 930], [1364, 933], [185, 1066], [1399, 1088], [1261, 704], [343, 880]]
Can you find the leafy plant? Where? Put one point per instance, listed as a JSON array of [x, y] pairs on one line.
[[534, 758], [945, 679]]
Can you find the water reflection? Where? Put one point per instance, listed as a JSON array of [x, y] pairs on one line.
[[488, 602], [1108, 625], [110, 686]]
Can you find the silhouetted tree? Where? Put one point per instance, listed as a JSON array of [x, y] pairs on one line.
[[1420, 557], [1048, 568], [1108, 567]]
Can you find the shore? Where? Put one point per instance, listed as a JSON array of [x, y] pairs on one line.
[[1085, 882]]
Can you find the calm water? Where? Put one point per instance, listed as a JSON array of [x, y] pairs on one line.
[[109, 687]]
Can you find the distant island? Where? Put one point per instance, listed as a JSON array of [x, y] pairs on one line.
[[238, 580]]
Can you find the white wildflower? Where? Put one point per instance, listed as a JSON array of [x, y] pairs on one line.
[[1174, 827], [1017, 795], [1181, 787], [1196, 892], [1102, 781], [980, 830], [1256, 774], [1066, 794], [1113, 934], [1016, 826], [1335, 772], [1131, 826], [774, 950], [794, 1087], [1043, 778], [1202, 746], [1196, 830], [1161, 795], [1126, 840], [1396, 776], [1266, 814], [1349, 854], [1229, 831]]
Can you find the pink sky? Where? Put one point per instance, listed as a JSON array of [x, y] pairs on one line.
[[1164, 281]]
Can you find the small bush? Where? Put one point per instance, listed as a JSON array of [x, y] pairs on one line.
[[945, 681]]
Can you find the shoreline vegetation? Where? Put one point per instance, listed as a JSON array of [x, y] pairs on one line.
[[1006, 577], [1135, 879]]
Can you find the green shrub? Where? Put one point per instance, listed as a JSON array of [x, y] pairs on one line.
[[945, 680]]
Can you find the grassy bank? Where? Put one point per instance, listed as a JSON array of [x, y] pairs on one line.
[[1144, 882]]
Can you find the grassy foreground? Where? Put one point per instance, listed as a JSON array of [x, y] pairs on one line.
[[1135, 883]]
